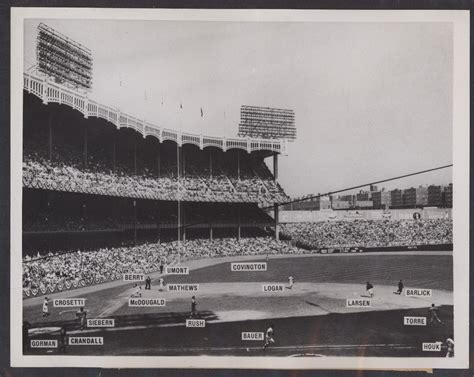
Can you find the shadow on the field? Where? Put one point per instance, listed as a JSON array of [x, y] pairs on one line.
[[314, 304], [145, 319]]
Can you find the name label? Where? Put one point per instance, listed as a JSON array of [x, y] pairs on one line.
[[432, 347], [146, 302], [273, 287], [68, 302], [133, 277], [195, 323], [358, 303], [248, 266], [177, 270], [101, 322], [86, 341], [252, 336], [183, 287], [414, 321], [44, 343], [415, 292]]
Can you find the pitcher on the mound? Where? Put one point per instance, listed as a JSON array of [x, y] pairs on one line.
[[268, 337]]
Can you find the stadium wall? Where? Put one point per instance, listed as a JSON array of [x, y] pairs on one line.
[[369, 214]]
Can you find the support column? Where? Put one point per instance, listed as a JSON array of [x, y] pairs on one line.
[[238, 164], [158, 228], [134, 221], [158, 162], [211, 212], [114, 151], [50, 136], [183, 216], [84, 211], [238, 223], [183, 159], [85, 146], [210, 162], [135, 154], [178, 161], [275, 166], [276, 217]]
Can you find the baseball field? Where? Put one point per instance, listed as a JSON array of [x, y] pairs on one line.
[[311, 318]]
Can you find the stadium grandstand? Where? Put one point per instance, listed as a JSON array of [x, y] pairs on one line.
[[89, 169]]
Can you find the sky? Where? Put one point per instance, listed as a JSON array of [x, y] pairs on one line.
[[371, 100]]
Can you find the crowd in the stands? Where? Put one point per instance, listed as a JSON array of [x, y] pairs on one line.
[[370, 233], [67, 268], [68, 171]]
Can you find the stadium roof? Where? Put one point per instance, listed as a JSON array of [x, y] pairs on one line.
[[48, 92]]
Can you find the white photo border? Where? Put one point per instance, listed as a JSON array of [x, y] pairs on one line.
[[460, 21]]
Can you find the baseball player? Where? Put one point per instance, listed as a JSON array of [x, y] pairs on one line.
[[162, 284], [290, 282], [269, 337], [434, 314], [148, 283], [450, 345], [62, 341], [138, 291], [193, 307], [82, 315], [45, 307], [400, 288], [370, 289]]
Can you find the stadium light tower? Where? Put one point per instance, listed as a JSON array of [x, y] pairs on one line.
[[267, 123], [64, 60]]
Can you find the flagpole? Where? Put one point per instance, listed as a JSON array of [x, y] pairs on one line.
[[178, 188]]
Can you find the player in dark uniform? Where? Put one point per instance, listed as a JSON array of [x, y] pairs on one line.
[[148, 283], [193, 307], [82, 315], [370, 289], [62, 340], [161, 267], [400, 288]]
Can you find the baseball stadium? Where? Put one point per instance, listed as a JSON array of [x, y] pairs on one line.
[[144, 240]]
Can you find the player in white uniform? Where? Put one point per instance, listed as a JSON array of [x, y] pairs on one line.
[[137, 292], [450, 345], [268, 337], [162, 284], [290, 282], [45, 307]]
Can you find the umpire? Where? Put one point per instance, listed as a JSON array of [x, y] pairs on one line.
[[148, 283]]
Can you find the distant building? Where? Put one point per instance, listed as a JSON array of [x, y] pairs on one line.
[[409, 197], [447, 196], [311, 204], [364, 204], [421, 196], [396, 198], [347, 198], [338, 203], [362, 196], [381, 199], [434, 196]]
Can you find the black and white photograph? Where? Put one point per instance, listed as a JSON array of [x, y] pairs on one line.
[[240, 188]]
